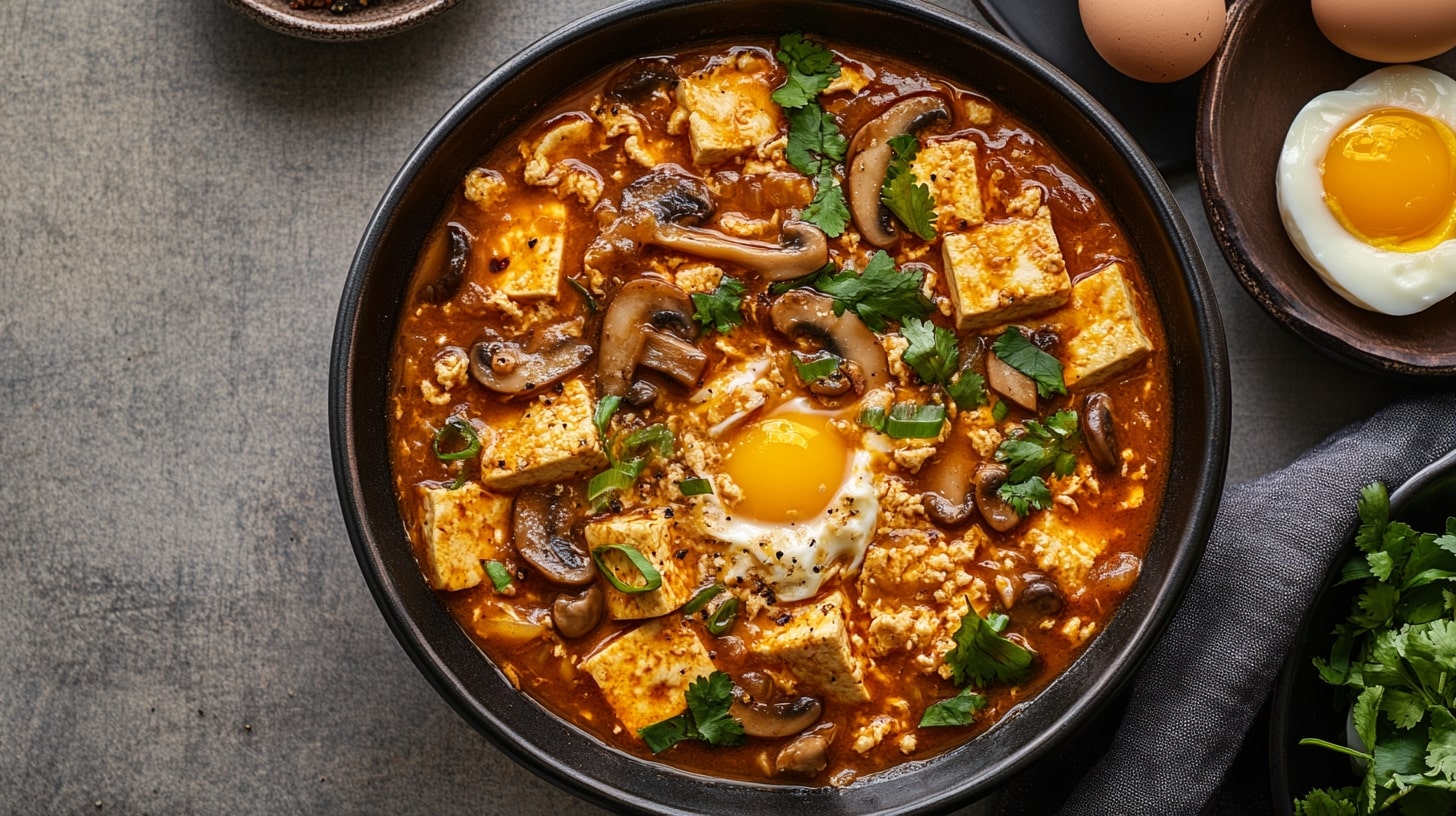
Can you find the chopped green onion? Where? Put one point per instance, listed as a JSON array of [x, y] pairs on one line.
[[816, 370], [586, 295], [650, 575], [500, 577], [873, 418], [607, 482], [723, 617], [659, 437], [695, 487], [1000, 410], [459, 480], [911, 421], [602, 419], [457, 426], [700, 600]]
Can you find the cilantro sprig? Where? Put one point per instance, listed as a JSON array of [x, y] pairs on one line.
[[933, 353], [1021, 354], [1395, 659], [906, 197], [879, 294], [706, 718], [722, 308], [815, 143], [1039, 448], [980, 657]]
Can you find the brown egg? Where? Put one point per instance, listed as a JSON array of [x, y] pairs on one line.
[[1154, 40], [1390, 30]]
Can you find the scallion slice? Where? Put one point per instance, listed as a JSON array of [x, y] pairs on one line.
[[500, 577], [695, 487], [873, 418], [815, 370], [723, 617], [1000, 410], [911, 421], [457, 426], [700, 600], [657, 437], [649, 573], [607, 482]]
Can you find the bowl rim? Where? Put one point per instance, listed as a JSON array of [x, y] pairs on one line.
[[1187, 535], [1228, 224], [286, 21]]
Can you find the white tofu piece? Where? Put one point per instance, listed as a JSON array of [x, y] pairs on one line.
[[462, 528], [814, 646], [1103, 334], [949, 170], [656, 535], [484, 188], [730, 110], [551, 440], [645, 673], [557, 160], [1061, 549], [915, 586], [524, 260], [999, 272]]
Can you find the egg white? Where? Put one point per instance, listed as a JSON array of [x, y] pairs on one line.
[[1381, 280], [795, 558]]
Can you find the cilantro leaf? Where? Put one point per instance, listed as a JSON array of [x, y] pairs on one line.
[[708, 699], [811, 68], [958, 710], [1441, 750], [1374, 509], [879, 294], [1327, 802], [983, 657], [815, 142], [1021, 354], [902, 193], [1043, 446], [828, 210], [932, 353], [967, 390], [1032, 494], [722, 308]]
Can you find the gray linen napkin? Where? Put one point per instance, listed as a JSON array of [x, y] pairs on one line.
[[1169, 750]]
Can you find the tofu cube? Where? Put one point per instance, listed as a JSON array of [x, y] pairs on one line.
[[730, 110], [654, 534], [1061, 549], [462, 528], [551, 440], [524, 260], [999, 272], [1103, 333], [644, 674], [814, 646], [949, 170]]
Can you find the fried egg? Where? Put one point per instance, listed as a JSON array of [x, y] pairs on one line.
[[805, 505], [1367, 189]]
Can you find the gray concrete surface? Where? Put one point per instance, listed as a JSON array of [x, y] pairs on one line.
[[183, 627]]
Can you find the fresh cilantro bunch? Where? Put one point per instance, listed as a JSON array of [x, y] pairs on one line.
[[706, 718], [1396, 658], [906, 197], [880, 294], [815, 143], [980, 657], [1043, 447]]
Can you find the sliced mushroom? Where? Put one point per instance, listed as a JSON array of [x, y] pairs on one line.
[[869, 158], [802, 248], [452, 273], [637, 308], [1100, 432], [1039, 595], [671, 195], [1118, 573], [575, 615], [806, 755], [777, 719], [1010, 383], [522, 367], [640, 79], [950, 501], [677, 358], [541, 522], [804, 313], [998, 515]]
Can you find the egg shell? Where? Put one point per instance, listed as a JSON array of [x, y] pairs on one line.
[[1154, 40], [1389, 30]]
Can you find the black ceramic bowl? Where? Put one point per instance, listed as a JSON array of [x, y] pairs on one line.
[[1303, 705], [920, 34]]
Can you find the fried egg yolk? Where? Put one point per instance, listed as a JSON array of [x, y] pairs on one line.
[[1390, 179], [788, 466]]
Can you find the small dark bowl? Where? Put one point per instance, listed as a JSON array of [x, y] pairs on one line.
[[381, 18], [1274, 60], [921, 34], [1303, 705]]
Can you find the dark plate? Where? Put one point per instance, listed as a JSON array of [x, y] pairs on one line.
[[1161, 117], [1303, 705], [373, 299], [1274, 60], [379, 19]]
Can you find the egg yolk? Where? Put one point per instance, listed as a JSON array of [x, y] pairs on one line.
[[1390, 179], [788, 467]]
